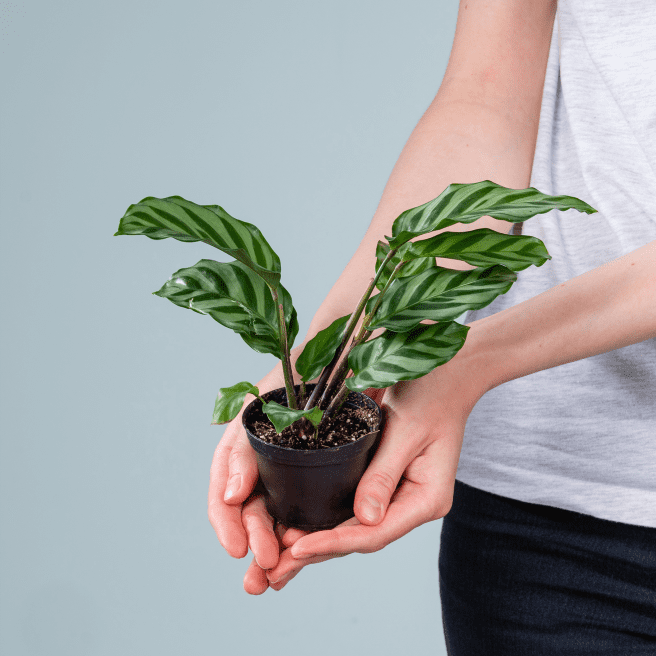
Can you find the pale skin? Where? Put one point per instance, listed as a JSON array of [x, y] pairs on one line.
[[481, 125]]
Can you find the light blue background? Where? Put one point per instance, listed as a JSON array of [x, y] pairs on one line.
[[291, 116]]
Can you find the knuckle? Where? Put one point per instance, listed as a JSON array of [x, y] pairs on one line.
[[440, 507], [236, 457], [383, 480], [375, 546]]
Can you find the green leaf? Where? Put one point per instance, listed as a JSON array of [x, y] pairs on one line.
[[483, 247], [281, 416], [409, 269], [320, 350], [159, 218], [440, 295], [230, 400], [232, 294], [392, 357], [464, 203]]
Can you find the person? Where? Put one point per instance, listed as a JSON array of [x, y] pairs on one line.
[[536, 442]]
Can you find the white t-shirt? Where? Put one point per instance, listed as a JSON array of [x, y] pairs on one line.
[[582, 436]]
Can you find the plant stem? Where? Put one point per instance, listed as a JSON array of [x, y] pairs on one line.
[[342, 371], [337, 402], [285, 355], [379, 298], [348, 331], [363, 335]]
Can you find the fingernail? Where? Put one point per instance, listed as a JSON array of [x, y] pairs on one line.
[[299, 553], [370, 509], [233, 487]]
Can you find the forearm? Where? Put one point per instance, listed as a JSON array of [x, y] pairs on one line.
[[460, 139], [607, 308]]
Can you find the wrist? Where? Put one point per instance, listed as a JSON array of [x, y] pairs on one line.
[[470, 372]]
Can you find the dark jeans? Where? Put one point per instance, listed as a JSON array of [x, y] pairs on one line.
[[520, 579]]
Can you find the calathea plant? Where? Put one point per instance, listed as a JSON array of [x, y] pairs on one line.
[[407, 289]]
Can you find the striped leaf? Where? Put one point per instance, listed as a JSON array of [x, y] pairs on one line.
[[159, 218], [320, 350], [230, 400], [440, 295], [409, 269], [392, 357], [281, 416], [482, 247], [464, 203], [232, 294]]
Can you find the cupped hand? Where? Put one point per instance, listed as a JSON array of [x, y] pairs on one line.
[[409, 481], [233, 481]]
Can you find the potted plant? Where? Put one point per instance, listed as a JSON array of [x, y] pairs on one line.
[[314, 442]]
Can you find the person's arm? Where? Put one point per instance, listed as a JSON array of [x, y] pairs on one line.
[[607, 308], [482, 124]]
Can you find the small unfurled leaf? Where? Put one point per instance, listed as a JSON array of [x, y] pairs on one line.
[[230, 400], [392, 357], [281, 416], [411, 268], [483, 248], [159, 218], [232, 294], [320, 350], [439, 295], [465, 203]]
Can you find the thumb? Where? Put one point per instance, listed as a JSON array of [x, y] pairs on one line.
[[242, 470], [379, 482]]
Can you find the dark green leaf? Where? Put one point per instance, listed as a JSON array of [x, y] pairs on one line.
[[483, 247], [440, 295], [393, 357], [320, 350], [230, 400], [232, 294], [281, 416], [409, 269], [159, 218], [464, 203]]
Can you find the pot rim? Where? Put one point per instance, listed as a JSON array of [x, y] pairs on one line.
[[268, 449]]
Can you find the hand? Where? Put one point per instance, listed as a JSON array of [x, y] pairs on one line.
[[409, 481], [257, 579], [233, 479]]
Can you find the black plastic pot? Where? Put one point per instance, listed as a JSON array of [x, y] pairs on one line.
[[312, 489]]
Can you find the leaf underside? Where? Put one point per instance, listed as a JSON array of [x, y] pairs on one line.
[[230, 401]]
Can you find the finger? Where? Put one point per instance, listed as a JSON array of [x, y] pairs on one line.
[[409, 510], [225, 519], [287, 563], [242, 470], [425, 494], [375, 394], [288, 567], [398, 447], [291, 535], [259, 529], [255, 580]]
